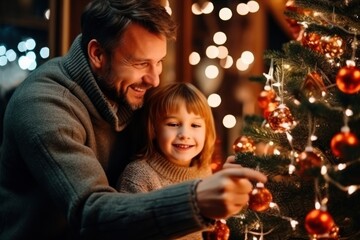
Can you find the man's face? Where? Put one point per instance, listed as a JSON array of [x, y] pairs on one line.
[[134, 66]]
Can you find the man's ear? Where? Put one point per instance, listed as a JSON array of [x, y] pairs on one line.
[[96, 54]]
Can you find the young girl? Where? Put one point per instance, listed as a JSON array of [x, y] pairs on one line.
[[181, 138]]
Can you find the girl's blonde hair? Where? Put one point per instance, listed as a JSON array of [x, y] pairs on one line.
[[166, 99]]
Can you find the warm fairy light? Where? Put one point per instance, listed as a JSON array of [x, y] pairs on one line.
[[211, 71], [293, 224], [349, 112], [296, 102], [253, 6], [214, 100], [292, 169], [195, 9], [207, 8], [225, 14], [276, 152], [219, 38], [212, 52], [313, 138], [352, 189], [242, 9], [227, 62], [323, 170], [229, 121], [341, 166], [273, 205], [241, 65], [223, 52], [267, 87], [312, 99], [194, 58], [247, 57]]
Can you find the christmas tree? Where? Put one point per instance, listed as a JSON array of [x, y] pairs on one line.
[[307, 138]]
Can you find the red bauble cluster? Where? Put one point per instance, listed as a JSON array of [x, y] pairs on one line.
[[330, 46], [260, 198]]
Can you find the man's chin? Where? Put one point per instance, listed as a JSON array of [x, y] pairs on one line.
[[135, 105]]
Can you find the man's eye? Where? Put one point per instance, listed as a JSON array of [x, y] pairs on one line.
[[141, 65]]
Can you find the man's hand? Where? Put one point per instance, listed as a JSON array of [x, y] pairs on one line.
[[226, 192]]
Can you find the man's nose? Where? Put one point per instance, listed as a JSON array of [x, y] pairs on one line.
[[153, 76]]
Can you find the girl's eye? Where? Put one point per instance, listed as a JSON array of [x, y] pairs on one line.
[[196, 125], [172, 124]]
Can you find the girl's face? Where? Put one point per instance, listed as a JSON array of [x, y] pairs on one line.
[[180, 136]]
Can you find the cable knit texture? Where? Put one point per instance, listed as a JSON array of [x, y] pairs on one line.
[[63, 150]]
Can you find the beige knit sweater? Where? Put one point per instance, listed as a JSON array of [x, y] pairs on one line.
[[145, 175]]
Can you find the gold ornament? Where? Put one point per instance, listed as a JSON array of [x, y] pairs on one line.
[[244, 144], [333, 46]]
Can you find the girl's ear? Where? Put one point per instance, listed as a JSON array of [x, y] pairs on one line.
[[96, 54]]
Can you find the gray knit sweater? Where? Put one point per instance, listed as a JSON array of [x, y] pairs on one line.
[[62, 146]]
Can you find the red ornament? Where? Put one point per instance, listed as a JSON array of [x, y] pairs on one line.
[[332, 235], [265, 97], [244, 144], [221, 231], [260, 198], [319, 222], [281, 119], [270, 108], [306, 163], [344, 144], [348, 79]]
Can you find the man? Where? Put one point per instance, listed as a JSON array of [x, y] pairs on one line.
[[66, 141]]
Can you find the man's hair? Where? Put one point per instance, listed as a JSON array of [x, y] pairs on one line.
[[106, 20]]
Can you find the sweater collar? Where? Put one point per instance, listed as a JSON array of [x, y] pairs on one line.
[[175, 172], [78, 68]]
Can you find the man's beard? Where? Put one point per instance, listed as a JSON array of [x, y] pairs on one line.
[[109, 90]]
